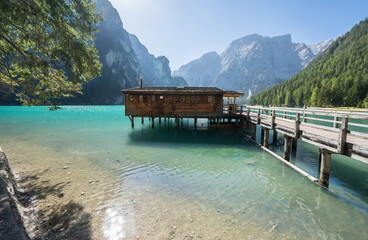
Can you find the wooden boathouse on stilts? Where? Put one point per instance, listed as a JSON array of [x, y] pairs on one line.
[[179, 103]]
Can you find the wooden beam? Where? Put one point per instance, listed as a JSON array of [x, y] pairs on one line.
[[297, 126], [294, 144], [274, 136], [273, 118], [266, 137], [341, 146], [132, 120], [287, 144], [324, 175], [336, 123], [254, 131]]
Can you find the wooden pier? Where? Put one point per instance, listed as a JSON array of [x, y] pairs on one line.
[[305, 125]]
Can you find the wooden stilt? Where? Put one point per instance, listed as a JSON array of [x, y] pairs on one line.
[[159, 121], [254, 130], [142, 120], [324, 175], [274, 136], [195, 123], [176, 122], [266, 137], [153, 122], [287, 147], [294, 144], [236, 122], [132, 120]]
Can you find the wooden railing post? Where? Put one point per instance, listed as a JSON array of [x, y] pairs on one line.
[[336, 124], [304, 117], [284, 114], [248, 113], [342, 135], [259, 116], [273, 119], [297, 126]]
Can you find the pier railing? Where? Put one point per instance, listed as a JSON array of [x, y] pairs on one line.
[[332, 131], [322, 119]]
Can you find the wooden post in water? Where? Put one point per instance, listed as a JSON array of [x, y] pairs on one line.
[[176, 122], [274, 137], [266, 137], [153, 122], [324, 175], [236, 122], [142, 120], [132, 120], [341, 146], [195, 123], [273, 119], [294, 144], [159, 121], [287, 147], [253, 132]]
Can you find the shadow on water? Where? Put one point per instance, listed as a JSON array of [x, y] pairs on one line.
[[185, 135], [59, 220]]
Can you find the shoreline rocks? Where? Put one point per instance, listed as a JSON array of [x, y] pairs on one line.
[[18, 218]]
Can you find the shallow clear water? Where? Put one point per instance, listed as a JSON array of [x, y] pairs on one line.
[[211, 169]]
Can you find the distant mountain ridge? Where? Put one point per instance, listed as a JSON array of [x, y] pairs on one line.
[[252, 63], [337, 77]]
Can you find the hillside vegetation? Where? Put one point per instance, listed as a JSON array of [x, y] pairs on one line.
[[337, 77]]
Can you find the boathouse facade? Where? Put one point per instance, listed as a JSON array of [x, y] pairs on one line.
[[177, 102]]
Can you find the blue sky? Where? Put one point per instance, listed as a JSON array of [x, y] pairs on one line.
[[183, 30]]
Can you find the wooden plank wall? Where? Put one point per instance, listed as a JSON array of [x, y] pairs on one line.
[[163, 108]]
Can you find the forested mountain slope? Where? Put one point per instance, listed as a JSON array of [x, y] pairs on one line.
[[337, 77]]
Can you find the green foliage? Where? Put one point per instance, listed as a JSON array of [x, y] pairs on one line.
[[46, 48], [338, 77]]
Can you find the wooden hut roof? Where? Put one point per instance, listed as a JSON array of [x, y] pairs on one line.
[[178, 90]]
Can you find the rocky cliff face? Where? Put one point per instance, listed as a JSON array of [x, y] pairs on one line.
[[154, 70], [120, 66], [201, 72], [251, 64]]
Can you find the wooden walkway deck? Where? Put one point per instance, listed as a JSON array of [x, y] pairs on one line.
[[320, 136], [333, 132]]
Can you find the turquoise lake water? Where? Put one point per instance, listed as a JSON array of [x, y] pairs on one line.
[[213, 169]]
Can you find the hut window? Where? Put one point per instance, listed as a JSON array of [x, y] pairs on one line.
[[209, 99], [153, 98], [182, 98], [169, 98], [131, 98], [193, 99], [141, 98], [161, 98]]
